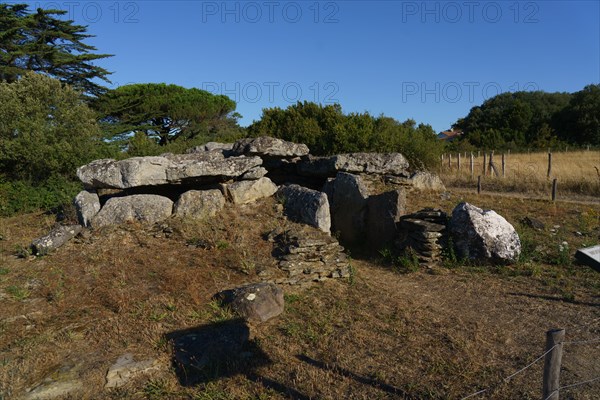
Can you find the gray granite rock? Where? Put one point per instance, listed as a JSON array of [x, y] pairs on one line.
[[306, 205], [483, 235], [357, 163], [168, 169], [87, 205], [266, 146], [382, 214], [243, 192], [257, 302], [348, 207], [57, 237], [125, 369], [199, 203], [144, 208]]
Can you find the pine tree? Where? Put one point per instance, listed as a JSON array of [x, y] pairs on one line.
[[42, 43]]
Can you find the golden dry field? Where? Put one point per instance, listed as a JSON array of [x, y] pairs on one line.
[[577, 173]]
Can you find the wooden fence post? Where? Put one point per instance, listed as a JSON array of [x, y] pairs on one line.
[[503, 165], [549, 165], [458, 162], [450, 161], [554, 184], [484, 163], [471, 165], [554, 339], [478, 153], [442, 161], [478, 184], [493, 169]]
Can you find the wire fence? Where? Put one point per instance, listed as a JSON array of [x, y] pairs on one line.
[[535, 361]]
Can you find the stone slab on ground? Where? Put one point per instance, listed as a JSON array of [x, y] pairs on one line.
[[125, 369], [589, 256], [57, 237]]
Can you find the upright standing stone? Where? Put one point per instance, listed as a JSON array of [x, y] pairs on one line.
[[383, 213], [348, 207], [87, 205]]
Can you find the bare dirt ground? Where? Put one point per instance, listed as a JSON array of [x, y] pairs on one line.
[[386, 332]]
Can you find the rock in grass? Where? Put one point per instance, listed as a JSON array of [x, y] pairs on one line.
[[533, 223], [257, 302], [53, 240], [483, 235], [424, 180], [125, 369], [63, 382]]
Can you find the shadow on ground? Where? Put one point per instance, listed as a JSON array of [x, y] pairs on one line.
[[555, 298], [210, 352], [376, 383]]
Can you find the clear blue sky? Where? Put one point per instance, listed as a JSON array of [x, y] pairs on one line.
[[431, 61]]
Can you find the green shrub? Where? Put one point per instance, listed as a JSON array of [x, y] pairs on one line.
[[24, 196], [326, 130]]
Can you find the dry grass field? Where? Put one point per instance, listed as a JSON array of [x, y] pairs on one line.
[[577, 173], [388, 332]]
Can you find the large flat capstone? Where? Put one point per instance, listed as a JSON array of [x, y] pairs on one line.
[[168, 169], [357, 163]]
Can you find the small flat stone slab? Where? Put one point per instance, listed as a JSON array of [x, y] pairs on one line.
[[420, 225], [53, 240], [125, 369], [589, 256]]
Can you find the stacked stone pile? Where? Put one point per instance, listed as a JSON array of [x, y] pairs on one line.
[[424, 232], [307, 255]]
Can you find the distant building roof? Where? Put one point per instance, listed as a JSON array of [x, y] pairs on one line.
[[449, 135]]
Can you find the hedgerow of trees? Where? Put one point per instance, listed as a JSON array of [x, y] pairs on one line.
[[534, 120], [327, 130]]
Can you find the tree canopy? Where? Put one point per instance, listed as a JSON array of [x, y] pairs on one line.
[[534, 119], [164, 113], [327, 130], [45, 129], [579, 121], [42, 43]]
